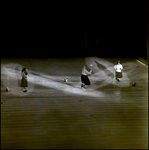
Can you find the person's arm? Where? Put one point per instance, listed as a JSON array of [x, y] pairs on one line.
[[115, 67], [26, 73], [90, 72], [87, 72], [114, 71], [121, 67], [23, 74]]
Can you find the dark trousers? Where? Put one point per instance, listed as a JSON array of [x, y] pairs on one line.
[[85, 80]]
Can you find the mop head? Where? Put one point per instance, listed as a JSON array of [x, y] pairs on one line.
[[66, 79], [133, 83], [7, 89]]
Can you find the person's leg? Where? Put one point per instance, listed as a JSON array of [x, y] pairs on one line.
[[117, 76], [25, 90], [83, 86], [22, 84], [118, 79], [25, 85], [88, 83], [83, 81]]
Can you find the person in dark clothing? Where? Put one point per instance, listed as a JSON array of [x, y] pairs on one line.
[[84, 78], [24, 82]]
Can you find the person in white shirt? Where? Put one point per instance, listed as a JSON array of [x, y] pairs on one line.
[[84, 78], [118, 71]]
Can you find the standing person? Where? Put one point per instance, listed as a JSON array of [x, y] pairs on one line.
[[118, 71], [24, 82], [84, 78]]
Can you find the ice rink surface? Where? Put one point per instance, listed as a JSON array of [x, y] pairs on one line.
[[55, 114]]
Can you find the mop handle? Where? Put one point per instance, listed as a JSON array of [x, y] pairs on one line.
[[90, 74], [114, 74]]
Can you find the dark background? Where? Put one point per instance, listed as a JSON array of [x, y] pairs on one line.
[[105, 29]]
